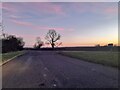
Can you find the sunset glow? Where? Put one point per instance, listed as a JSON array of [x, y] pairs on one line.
[[80, 24]]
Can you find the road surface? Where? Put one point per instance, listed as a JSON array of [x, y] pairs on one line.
[[47, 69]]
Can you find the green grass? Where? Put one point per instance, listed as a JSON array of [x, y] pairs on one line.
[[106, 58], [9, 55]]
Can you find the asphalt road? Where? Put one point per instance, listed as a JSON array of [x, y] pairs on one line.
[[47, 69]]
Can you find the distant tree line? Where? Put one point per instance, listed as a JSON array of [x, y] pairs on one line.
[[11, 43]]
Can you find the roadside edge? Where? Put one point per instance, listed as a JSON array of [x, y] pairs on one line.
[[11, 59]]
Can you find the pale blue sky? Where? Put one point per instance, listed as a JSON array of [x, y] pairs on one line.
[[79, 24]]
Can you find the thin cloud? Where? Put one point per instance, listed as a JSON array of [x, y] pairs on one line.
[[21, 23], [100, 8], [42, 7], [30, 10], [58, 9], [9, 7], [28, 24], [50, 8], [48, 28], [111, 10]]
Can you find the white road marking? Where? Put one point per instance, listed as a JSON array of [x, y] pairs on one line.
[[44, 75], [54, 85], [45, 68], [93, 69]]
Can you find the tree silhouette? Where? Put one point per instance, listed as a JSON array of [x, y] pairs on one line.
[[52, 37], [2, 34], [12, 43], [38, 43]]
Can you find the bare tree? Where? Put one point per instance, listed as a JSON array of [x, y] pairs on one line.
[[2, 34], [38, 43], [52, 37]]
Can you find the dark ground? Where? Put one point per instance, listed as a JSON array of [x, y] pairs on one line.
[[47, 69]]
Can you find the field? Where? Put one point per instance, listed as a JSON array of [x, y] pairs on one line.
[[101, 57], [9, 55]]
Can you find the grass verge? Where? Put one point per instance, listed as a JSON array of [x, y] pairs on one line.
[[100, 57], [10, 55]]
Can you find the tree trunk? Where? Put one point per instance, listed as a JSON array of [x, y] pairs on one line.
[[52, 45]]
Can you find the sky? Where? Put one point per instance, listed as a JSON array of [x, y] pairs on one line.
[[78, 23], [60, 0]]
